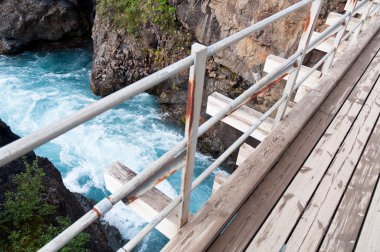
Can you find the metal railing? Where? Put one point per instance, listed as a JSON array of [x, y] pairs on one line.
[[169, 162]]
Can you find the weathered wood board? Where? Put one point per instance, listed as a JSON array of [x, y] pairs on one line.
[[148, 205], [272, 62], [242, 119], [334, 17], [245, 151], [313, 223], [279, 224], [254, 211], [344, 229]]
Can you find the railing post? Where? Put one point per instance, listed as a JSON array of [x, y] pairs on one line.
[[193, 109], [302, 46], [363, 18], [351, 4]]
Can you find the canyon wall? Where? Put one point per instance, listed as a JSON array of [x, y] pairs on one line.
[[122, 57]]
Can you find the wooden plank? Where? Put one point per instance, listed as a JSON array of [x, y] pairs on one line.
[[211, 219], [272, 62], [328, 44], [148, 205], [362, 9], [358, 95], [344, 228], [301, 92], [277, 227], [252, 214], [219, 180], [311, 228], [245, 151], [369, 237], [254, 211], [242, 119], [363, 62], [334, 17]]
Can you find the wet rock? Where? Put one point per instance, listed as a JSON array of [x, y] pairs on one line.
[[112, 234], [24, 23]]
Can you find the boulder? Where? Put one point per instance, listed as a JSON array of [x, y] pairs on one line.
[[24, 23]]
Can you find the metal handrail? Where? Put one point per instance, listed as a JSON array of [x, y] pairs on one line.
[[175, 202], [151, 225], [165, 165], [45, 134]]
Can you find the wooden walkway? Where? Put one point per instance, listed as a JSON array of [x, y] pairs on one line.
[[322, 193]]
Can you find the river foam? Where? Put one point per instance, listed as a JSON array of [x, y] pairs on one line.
[[39, 88]]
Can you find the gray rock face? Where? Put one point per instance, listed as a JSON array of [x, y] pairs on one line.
[[207, 21], [213, 20], [24, 22], [118, 59], [121, 58]]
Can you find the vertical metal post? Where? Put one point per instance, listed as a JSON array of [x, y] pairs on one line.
[[363, 18], [351, 4], [302, 46], [194, 102]]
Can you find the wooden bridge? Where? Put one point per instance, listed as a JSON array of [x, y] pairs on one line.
[[313, 181], [321, 192]]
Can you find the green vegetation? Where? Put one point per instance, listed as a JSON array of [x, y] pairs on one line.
[[25, 213], [132, 15]]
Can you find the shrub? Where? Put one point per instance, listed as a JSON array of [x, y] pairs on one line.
[[132, 15], [24, 214]]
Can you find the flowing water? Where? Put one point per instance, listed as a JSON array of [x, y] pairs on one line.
[[37, 88]]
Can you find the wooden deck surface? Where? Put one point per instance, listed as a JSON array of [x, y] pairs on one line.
[[323, 191]]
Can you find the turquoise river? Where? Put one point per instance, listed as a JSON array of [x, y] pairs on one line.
[[37, 88]]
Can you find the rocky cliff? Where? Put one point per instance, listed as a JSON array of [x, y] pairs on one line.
[[31, 23], [122, 57], [128, 47], [72, 205], [212, 20], [132, 39]]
